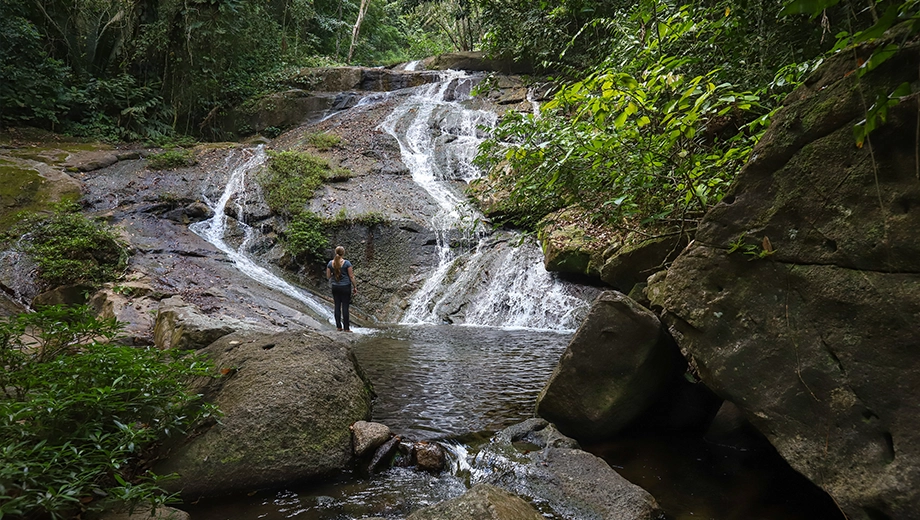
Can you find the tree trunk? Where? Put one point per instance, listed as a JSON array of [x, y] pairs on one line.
[[357, 28]]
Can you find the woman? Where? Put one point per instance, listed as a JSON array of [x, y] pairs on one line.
[[341, 277]]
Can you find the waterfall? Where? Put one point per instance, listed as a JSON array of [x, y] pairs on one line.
[[214, 230], [480, 279]]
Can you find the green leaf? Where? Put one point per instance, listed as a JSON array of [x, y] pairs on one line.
[[879, 56], [810, 7]]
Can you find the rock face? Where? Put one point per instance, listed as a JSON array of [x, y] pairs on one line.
[[183, 326], [288, 400], [816, 342], [474, 61], [534, 460], [615, 366], [482, 502]]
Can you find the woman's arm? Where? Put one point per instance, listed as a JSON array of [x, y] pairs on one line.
[[351, 276], [328, 272]]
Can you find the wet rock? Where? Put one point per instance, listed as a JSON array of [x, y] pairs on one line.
[[632, 264], [183, 326], [430, 456], [287, 400], [814, 334], [482, 502], [194, 212], [573, 483], [368, 436], [383, 456], [475, 61], [536, 431], [141, 513], [616, 365]]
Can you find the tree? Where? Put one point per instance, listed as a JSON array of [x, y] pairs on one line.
[[362, 9]]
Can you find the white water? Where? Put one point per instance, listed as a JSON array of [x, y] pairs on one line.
[[214, 230], [505, 286]]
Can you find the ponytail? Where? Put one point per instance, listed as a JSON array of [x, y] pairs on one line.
[[338, 262]]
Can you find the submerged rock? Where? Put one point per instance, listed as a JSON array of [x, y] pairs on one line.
[[813, 333], [482, 502], [616, 365], [287, 400]]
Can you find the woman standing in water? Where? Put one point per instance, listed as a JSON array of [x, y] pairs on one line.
[[341, 277]]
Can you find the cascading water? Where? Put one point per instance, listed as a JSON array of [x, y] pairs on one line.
[[480, 278], [214, 230]]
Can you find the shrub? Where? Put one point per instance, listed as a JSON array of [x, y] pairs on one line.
[[70, 248], [323, 141], [79, 416], [177, 158], [306, 237], [290, 180]]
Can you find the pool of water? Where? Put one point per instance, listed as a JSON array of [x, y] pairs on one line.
[[445, 381], [457, 385], [432, 382]]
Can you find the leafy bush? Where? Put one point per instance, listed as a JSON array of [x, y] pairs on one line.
[[638, 141], [177, 158], [79, 416], [324, 141], [70, 248], [290, 180], [306, 237]]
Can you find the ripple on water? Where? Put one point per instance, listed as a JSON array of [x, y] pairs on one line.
[[442, 381]]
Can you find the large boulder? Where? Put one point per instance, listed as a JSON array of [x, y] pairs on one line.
[[798, 300], [184, 326], [615, 366], [534, 460], [287, 400], [482, 502]]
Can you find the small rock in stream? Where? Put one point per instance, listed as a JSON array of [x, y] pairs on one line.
[[430, 456], [382, 456], [367, 436]]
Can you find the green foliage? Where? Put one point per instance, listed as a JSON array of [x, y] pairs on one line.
[[323, 141], [754, 251], [641, 142], [904, 12], [33, 86], [70, 248], [305, 236], [169, 159], [290, 180], [78, 415]]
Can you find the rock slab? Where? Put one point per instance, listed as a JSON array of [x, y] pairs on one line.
[[813, 334]]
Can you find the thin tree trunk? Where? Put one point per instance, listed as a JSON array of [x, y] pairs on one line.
[[338, 33], [357, 28]]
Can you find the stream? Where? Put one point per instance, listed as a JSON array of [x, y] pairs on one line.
[[458, 384]]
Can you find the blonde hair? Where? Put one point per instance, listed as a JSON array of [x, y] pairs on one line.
[[338, 261]]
